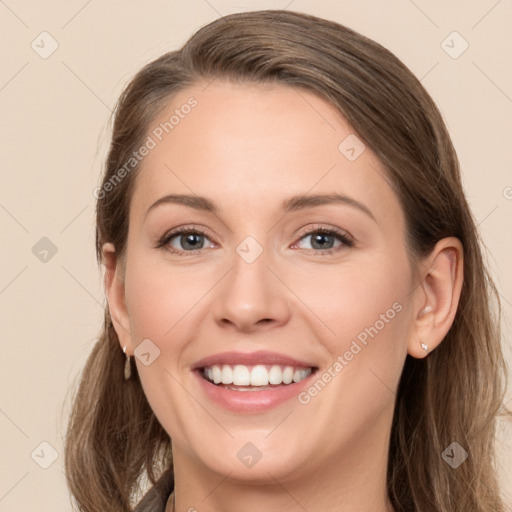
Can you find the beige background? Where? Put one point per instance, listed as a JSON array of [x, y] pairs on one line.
[[54, 135]]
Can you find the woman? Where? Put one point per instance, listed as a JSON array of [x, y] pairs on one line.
[[297, 300]]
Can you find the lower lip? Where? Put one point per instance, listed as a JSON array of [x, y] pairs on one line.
[[251, 401]]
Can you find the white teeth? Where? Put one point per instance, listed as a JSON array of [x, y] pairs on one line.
[[297, 376], [217, 374], [241, 376], [257, 376], [275, 375], [226, 374], [300, 375], [288, 375]]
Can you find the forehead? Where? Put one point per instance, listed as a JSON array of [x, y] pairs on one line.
[[250, 145]]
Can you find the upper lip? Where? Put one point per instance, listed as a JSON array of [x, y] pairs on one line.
[[253, 358]]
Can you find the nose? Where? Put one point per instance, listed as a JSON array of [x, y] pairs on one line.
[[251, 297]]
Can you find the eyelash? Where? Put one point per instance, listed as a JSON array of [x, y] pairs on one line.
[[342, 236]]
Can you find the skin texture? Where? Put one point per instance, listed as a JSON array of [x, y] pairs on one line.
[[247, 148]]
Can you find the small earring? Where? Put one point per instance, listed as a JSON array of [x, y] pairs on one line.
[[424, 346], [127, 366]]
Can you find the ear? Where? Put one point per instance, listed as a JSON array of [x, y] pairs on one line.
[[114, 289], [437, 296]]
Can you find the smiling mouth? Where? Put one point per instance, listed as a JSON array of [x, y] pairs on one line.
[[258, 377]]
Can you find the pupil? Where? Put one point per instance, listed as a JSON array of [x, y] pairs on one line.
[[191, 240], [320, 239]]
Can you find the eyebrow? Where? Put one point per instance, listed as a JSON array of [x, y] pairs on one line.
[[308, 201], [196, 202], [291, 204]]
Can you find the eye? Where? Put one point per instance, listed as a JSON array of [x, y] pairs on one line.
[[319, 239], [184, 239], [325, 240]]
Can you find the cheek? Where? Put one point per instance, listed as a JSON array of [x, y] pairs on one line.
[[160, 305], [167, 306], [150, 311], [364, 312], [362, 300], [365, 305], [159, 300]]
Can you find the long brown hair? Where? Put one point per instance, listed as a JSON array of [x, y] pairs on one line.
[[114, 441]]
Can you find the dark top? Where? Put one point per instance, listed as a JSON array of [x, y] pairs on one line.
[[156, 498]]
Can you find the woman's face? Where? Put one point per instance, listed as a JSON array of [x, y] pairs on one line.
[[293, 267]]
